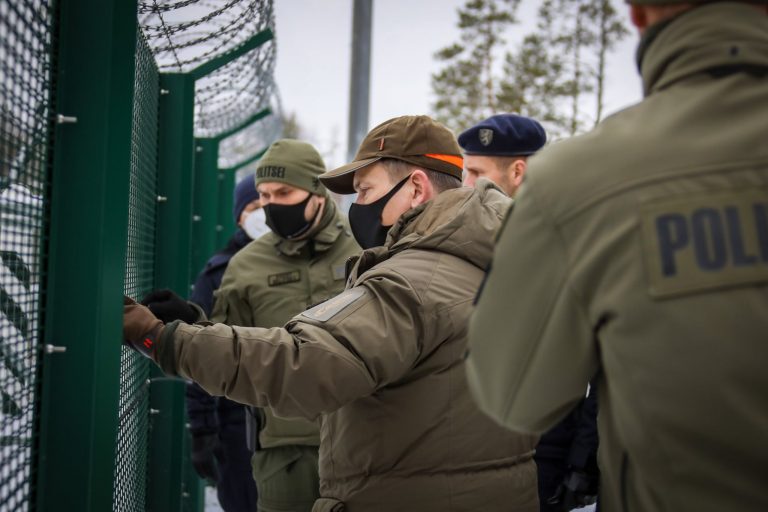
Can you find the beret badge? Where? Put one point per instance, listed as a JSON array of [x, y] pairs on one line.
[[485, 135]]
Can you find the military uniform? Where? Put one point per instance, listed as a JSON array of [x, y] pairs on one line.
[[266, 283], [383, 364], [641, 249]]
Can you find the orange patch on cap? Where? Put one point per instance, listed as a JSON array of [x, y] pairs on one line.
[[451, 159]]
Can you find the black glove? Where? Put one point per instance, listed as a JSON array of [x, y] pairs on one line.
[[203, 448], [577, 490], [167, 306]]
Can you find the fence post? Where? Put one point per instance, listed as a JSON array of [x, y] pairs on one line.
[[226, 223], [205, 204], [175, 182], [166, 487], [87, 246]]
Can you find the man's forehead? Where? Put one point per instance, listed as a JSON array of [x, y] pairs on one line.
[[273, 187], [477, 162]]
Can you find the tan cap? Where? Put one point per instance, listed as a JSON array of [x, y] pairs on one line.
[[418, 140]]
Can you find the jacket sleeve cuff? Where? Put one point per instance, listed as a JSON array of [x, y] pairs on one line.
[[165, 353], [201, 316]]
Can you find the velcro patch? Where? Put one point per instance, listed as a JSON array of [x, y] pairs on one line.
[[332, 307], [339, 272], [286, 277], [706, 241]]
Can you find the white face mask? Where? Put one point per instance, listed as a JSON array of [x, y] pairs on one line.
[[255, 224]]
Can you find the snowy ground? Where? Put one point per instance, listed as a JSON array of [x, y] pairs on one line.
[[211, 502]]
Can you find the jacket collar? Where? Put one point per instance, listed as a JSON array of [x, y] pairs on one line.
[[710, 37], [462, 222]]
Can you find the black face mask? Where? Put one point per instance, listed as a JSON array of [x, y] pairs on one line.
[[365, 219], [287, 220]]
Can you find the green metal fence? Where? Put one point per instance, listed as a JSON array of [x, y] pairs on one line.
[[133, 408], [99, 189], [25, 111]]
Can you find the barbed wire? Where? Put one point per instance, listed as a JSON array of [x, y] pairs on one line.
[[145, 7], [185, 34]]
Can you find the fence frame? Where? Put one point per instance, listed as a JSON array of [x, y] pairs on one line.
[[86, 251], [168, 488]]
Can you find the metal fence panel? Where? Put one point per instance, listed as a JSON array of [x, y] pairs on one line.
[[25, 110], [133, 410]]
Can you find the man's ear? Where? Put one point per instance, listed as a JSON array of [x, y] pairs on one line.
[[518, 171], [423, 190]]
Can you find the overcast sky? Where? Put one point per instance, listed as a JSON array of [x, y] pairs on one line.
[[313, 61]]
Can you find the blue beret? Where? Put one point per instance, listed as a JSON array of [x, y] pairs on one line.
[[245, 192], [504, 135]]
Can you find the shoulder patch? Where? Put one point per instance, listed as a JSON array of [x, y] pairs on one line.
[[284, 278], [332, 307], [706, 241]]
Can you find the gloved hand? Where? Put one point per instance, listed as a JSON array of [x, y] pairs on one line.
[[167, 306], [577, 490], [203, 460], [141, 329]]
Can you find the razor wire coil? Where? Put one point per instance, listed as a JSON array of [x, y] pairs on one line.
[[186, 34]]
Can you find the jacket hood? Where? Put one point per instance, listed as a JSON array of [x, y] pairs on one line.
[[462, 222], [715, 36]]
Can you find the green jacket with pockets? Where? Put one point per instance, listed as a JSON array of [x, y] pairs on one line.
[[383, 364], [639, 252], [271, 280]]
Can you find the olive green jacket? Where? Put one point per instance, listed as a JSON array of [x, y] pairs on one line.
[[271, 280], [640, 252], [384, 364]]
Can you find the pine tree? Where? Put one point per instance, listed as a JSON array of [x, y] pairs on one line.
[[555, 75], [467, 87], [533, 83], [610, 31], [575, 39]]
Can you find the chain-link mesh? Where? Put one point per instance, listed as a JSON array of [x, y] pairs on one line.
[[251, 140], [25, 112], [133, 409], [186, 34]]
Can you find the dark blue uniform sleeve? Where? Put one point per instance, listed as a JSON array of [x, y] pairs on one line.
[[583, 453], [201, 409], [205, 284]]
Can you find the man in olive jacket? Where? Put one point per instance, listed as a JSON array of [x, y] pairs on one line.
[[299, 263], [639, 252], [383, 362]]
